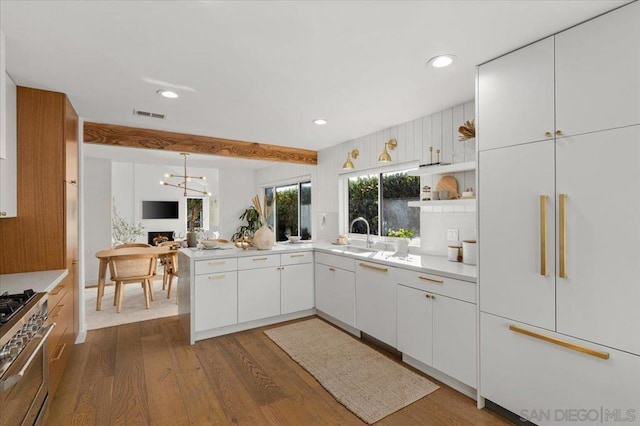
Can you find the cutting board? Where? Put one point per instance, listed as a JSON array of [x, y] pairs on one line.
[[450, 184]]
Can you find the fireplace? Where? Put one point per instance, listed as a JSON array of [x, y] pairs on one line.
[[159, 236]]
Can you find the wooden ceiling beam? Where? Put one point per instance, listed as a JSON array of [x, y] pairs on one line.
[[133, 137]]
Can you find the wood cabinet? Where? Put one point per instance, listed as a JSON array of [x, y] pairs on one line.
[[335, 287], [438, 331], [8, 164], [376, 301], [44, 234], [296, 282]]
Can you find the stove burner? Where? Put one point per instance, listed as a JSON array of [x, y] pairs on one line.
[[10, 304]]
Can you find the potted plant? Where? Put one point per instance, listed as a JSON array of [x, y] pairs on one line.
[[402, 239], [252, 217]]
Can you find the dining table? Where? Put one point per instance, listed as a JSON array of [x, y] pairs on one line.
[[111, 253]]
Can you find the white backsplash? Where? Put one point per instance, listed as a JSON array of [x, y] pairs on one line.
[[433, 230]]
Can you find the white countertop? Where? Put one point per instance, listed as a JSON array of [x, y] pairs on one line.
[[40, 281], [438, 265]]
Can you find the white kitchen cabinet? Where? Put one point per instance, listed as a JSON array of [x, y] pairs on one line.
[[598, 298], [296, 287], [216, 300], [454, 338], [376, 301], [335, 292], [513, 281], [438, 331], [8, 165], [258, 293], [545, 382], [415, 323], [598, 73], [516, 97]]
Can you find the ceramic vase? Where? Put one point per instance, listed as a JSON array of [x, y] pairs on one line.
[[402, 245], [264, 238], [192, 240]]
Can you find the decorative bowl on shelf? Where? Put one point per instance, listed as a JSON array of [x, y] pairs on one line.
[[210, 244], [293, 238]]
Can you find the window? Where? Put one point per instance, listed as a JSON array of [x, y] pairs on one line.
[[384, 205], [291, 212]]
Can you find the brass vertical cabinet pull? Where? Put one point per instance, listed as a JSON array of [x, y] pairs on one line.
[[543, 235], [562, 231]]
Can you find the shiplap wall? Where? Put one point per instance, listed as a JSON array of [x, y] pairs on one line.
[[438, 130]]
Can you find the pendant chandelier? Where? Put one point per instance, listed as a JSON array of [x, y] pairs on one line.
[[185, 178]]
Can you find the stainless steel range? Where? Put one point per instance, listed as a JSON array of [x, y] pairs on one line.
[[24, 364]]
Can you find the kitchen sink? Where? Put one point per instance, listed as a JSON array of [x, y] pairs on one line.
[[358, 251]]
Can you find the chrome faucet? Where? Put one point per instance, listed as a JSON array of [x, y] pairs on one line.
[[368, 243]]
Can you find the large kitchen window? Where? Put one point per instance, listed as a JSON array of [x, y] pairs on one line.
[[290, 210], [382, 199]]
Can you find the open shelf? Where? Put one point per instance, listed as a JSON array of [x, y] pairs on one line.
[[466, 205], [437, 170]]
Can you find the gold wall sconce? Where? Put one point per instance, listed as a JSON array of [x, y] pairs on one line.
[[349, 164], [385, 157]]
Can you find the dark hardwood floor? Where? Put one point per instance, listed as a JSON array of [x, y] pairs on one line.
[[147, 373]]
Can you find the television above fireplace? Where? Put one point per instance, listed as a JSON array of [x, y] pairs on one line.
[[160, 210]]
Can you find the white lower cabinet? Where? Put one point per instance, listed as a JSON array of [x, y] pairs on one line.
[[216, 300], [335, 290], [550, 382], [376, 301], [438, 331], [258, 293], [296, 287], [415, 324]]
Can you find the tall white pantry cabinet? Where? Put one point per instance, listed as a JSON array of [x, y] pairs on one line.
[[559, 224]]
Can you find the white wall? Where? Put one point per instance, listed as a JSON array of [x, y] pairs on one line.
[[97, 213], [237, 187], [438, 130]]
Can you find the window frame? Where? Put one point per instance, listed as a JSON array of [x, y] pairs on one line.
[[290, 182], [344, 196]]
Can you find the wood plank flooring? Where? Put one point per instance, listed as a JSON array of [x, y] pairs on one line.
[[146, 373]]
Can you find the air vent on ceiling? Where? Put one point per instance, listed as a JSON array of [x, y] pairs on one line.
[[148, 114]]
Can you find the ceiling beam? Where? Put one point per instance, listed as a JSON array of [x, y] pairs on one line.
[[133, 137]]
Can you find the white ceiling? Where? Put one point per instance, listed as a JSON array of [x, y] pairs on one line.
[[261, 71]]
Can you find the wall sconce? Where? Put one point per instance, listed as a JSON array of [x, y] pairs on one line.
[[385, 157], [349, 164]]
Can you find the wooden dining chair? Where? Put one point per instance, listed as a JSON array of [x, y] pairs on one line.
[[170, 263], [135, 268]]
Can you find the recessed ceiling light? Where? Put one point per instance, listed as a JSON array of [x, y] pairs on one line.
[[442, 61], [320, 121], [167, 94]]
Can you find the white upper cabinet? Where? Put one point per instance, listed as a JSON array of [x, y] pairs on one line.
[[516, 263], [598, 73], [598, 299], [516, 97]]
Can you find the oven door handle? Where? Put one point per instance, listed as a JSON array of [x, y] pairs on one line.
[[8, 383]]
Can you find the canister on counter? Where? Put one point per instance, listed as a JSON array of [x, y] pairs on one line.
[[455, 253], [469, 252]]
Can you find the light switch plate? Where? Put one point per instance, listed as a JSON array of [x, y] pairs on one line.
[[452, 234]]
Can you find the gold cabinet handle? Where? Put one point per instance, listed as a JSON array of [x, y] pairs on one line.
[[216, 277], [543, 235], [562, 231], [559, 132], [547, 134], [297, 255], [217, 263], [430, 279], [375, 268], [430, 296], [58, 353], [260, 258], [572, 346], [332, 270], [56, 290]]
